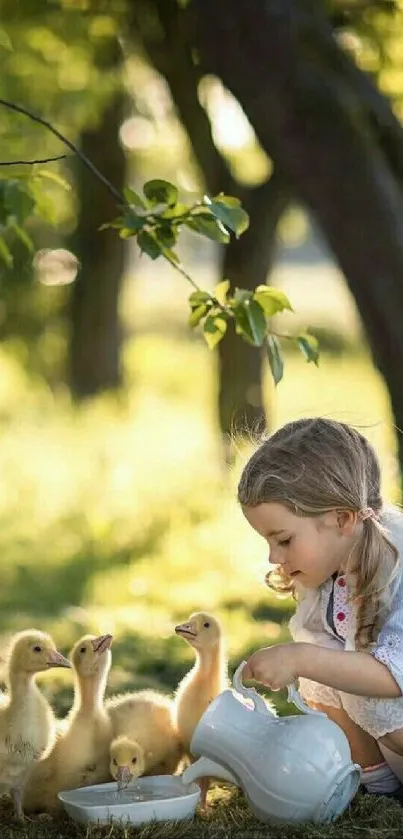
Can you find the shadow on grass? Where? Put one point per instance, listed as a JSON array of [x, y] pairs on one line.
[[44, 585]]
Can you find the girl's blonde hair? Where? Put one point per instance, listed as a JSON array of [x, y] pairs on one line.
[[313, 466]]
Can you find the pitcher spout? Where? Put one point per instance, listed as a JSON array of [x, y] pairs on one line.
[[206, 768]]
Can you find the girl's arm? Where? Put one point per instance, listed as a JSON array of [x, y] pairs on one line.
[[352, 672]]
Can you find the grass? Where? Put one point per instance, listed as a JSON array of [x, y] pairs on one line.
[[228, 817], [119, 516]]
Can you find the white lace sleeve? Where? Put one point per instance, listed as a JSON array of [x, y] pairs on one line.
[[389, 645]]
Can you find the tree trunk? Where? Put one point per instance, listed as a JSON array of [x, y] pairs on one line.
[[274, 58], [245, 261], [96, 338]]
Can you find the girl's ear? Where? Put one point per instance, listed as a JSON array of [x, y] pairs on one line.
[[346, 521]]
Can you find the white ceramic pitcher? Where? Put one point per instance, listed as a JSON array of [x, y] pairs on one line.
[[292, 769]]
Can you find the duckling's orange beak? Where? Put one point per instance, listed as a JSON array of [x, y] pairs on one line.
[[123, 776], [56, 659], [188, 630], [102, 643]]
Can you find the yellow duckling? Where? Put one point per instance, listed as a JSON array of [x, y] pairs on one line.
[[143, 723], [80, 756], [27, 727], [207, 678], [126, 761]]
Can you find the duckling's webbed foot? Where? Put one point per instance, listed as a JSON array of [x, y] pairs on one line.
[[16, 793]]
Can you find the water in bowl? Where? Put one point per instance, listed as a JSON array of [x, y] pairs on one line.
[[129, 795]]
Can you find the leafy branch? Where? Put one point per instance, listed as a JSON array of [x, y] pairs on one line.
[[155, 219]]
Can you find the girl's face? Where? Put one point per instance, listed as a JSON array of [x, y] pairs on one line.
[[309, 548]]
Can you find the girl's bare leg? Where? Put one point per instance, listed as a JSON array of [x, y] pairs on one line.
[[393, 741]]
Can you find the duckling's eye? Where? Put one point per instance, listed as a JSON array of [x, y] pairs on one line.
[[82, 649], [206, 624], [134, 760], [37, 649], [115, 763]]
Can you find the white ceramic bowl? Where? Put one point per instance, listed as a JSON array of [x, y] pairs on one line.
[[157, 797]]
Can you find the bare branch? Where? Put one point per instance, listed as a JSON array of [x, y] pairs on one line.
[[32, 162], [19, 109]]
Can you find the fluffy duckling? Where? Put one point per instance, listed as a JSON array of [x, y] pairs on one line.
[[207, 678], [80, 756], [126, 761], [144, 731], [26, 719]]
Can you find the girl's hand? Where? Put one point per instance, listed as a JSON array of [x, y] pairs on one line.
[[276, 667]]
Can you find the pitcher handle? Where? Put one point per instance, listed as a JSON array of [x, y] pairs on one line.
[[260, 704], [295, 697], [250, 693]]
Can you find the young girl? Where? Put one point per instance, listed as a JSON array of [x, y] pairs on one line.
[[312, 491]]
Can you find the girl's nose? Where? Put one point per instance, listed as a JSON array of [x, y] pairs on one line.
[[275, 558]]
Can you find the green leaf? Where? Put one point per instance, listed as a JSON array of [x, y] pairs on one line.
[[116, 224], [44, 202], [275, 358], [196, 298], [126, 233], [159, 191], [242, 294], [227, 200], [257, 321], [47, 174], [133, 222], [148, 244], [208, 226], [22, 235], [175, 212], [197, 314], [250, 322], [309, 347], [18, 201], [214, 329], [5, 40], [133, 198], [129, 222], [221, 290], [166, 235], [230, 214], [5, 253], [272, 300]]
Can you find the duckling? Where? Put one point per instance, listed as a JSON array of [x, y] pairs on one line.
[[27, 727], [145, 720], [126, 761], [207, 678], [80, 756]]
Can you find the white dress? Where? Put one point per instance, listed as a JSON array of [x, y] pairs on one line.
[[319, 608]]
